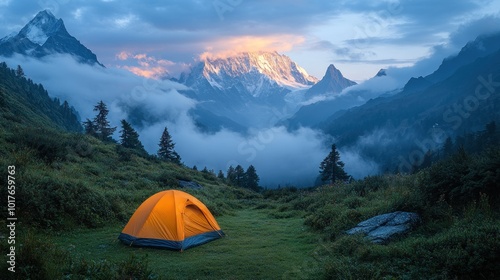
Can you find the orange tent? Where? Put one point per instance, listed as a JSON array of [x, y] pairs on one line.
[[171, 219]]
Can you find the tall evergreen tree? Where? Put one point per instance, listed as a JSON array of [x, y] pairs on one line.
[[251, 178], [220, 175], [239, 176], [332, 168], [103, 130], [19, 71], [90, 128], [231, 175], [166, 151], [129, 137]]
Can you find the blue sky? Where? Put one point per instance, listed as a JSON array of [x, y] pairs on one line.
[[359, 37]]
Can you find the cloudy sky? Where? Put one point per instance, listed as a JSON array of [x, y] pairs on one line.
[[359, 37]]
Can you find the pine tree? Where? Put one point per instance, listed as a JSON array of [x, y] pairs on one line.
[[129, 137], [103, 130], [166, 151], [331, 168], [251, 178], [231, 176], [220, 175], [19, 71], [239, 176], [90, 128]]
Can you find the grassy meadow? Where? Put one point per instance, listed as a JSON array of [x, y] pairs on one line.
[[256, 247]]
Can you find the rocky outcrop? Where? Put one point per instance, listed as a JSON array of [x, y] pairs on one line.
[[382, 228]]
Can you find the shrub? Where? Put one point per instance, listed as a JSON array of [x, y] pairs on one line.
[[131, 268], [369, 184], [49, 145], [462, 178], [36, 258], [57, 203]]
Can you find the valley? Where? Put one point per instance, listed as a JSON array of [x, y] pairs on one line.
[[287, 163]]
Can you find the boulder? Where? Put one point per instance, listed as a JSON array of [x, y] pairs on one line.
[[382, 228]]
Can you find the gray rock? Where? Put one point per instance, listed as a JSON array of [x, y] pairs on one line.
[[382, 228]]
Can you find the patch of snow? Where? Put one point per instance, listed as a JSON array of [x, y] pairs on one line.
[[214, 84], [36, 35]]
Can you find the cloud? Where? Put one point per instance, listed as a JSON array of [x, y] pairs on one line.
[[123, 55], [229, 46], [357, 166], [472, 29], [148, 66], [400, 69], [280, 156]]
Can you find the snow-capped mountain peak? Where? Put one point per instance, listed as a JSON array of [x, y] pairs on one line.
[[263, 83], [272, 66], [45, 35], [41, 27]]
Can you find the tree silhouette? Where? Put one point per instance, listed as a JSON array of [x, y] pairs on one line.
[[90, 128], [332, 168], [239, 176], [19, 71], [129, 137], [101, 123], [251, 178], [166, 151], [220, 175], [231, 175]]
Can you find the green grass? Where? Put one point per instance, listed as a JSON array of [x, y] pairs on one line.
[[256, 247]]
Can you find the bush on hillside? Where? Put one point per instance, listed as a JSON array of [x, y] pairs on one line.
[[463, 178], [55, 202], [49, 145]]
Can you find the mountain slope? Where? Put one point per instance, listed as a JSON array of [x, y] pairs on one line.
[[421, 120], [482, 46], [24, 103], [332, 82], [45, 35], [325, 111], [246, 87], [328, 100]]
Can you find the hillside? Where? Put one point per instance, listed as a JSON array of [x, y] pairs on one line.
[[24, 103], [422, 116]]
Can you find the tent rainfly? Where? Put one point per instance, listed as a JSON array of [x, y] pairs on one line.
[[171, 219]]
